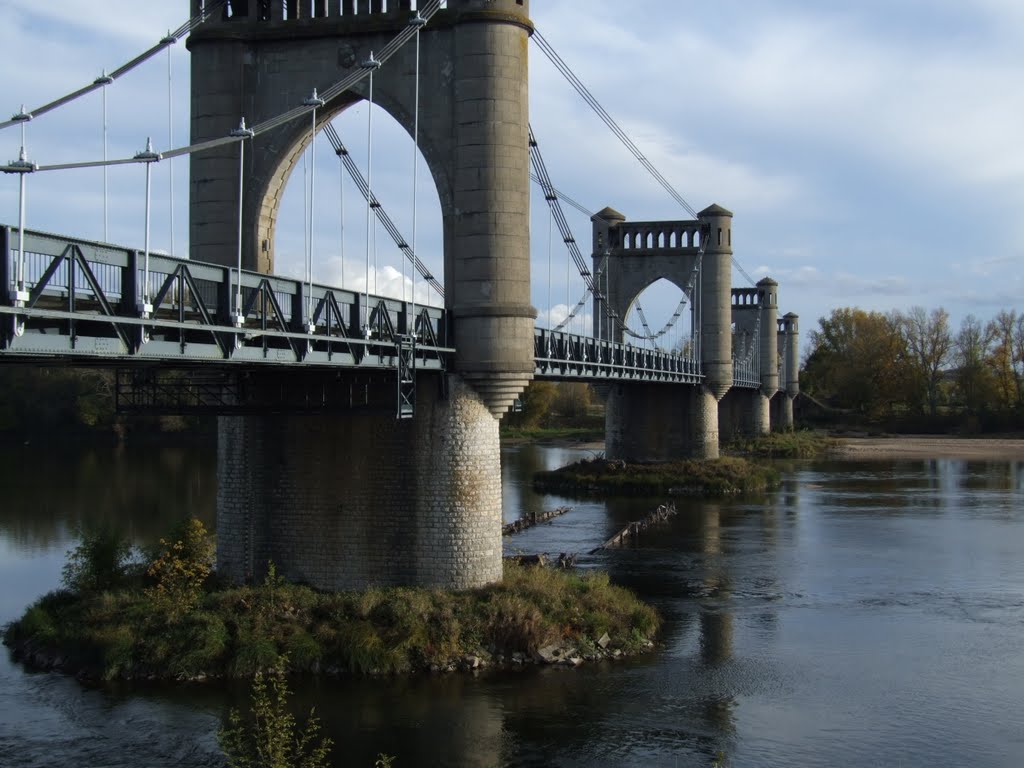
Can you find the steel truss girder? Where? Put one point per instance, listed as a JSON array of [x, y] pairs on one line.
[[86, 301], [228, 391]]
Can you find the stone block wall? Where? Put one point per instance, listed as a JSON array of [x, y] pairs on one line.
[[359, 499], [660, 422], [743, 413]]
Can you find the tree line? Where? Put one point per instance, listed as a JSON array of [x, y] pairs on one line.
[[912, 363]]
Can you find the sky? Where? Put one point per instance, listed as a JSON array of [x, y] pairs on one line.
[[872, 152]]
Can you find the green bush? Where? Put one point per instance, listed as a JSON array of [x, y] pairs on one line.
[[271, 737], [98, 562], [180, 570]]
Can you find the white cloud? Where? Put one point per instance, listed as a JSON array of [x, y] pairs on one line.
[[870, 151]]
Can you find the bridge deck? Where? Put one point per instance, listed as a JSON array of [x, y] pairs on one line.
[[87, 301]]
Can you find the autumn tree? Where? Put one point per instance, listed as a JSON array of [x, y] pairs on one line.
[[1006, 357], [929, 344], [572, 399], [972, 376], [859, 360], [536, 401]]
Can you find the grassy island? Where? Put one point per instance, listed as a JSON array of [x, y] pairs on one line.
[[168, 620], [603, 477]]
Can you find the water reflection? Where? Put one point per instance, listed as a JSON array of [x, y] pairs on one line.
[[143, 492], [861, 612]]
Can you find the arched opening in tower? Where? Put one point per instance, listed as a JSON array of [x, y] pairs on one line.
[[346, 252], [667, 311]]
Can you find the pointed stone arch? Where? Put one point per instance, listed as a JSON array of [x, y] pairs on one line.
[[473, 135]]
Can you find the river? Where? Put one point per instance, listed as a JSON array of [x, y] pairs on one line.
[[867, 614]]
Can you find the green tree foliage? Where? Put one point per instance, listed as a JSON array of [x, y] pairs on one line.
[[911, 362], [537, 400], [572, 400], [272, 738], [180, 570], [929, 345], [98, 562], [52, 398], [1006, 357], [974, 383], [859, 360]]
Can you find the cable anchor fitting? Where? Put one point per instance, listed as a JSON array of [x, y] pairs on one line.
[[148, 155], [242, 132], [314, 101]]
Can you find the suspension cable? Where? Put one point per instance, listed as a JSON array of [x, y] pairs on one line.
[[553, 203], [327, 95], [244, 133], [103, 80], [564, 197], [623, 137], [382, 216], [170, 129], [551, 222], [370, 64], [147, 156], [341, 189], [593, 103], [170, 39], [417, 22], [315, 102], [593, 287]]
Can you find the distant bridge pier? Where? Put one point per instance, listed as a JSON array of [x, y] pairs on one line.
[[353, 499], [788, 345], [659, 422], [647, 421], [746, 412]]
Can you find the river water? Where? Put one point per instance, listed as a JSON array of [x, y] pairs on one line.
[[867, 614]]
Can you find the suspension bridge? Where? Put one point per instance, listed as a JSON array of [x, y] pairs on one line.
[[358, 438]]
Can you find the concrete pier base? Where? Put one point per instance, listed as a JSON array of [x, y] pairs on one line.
[[357, 499], [782, 413], [658, 422], [744, 413], [760, 414]]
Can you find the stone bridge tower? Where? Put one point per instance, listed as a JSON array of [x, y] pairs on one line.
[[430, 489], [653, 421]]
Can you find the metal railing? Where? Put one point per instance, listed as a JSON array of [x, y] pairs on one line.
[[567, 356], [83, 299], [86, 299]]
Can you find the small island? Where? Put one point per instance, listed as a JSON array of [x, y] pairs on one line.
[[610, 477], [167, 618]]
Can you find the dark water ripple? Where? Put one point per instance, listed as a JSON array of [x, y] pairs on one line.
[[864, 614]]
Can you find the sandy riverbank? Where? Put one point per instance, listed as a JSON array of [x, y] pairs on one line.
[[927, 447], [889, 447]]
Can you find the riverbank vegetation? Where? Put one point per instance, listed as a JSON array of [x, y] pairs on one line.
[[911, 372], [803, 444], [549, 411], [603, 477], [62, 403], [165, 617]]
